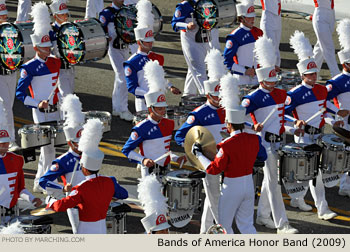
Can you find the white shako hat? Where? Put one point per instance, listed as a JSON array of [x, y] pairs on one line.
[[74, 117], [246, 8], [303, 49], [145, 20], [41, 18], [91, 136], [59, 7], [343, 30], [154, 204], [266, 58], [3, 8], [154, 74], [4, 132], [216, 69], [229, 91]]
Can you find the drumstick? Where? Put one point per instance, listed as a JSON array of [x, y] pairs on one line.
[[269, 115], [74, 170], [315, 115], [182, 163], [162, 156]]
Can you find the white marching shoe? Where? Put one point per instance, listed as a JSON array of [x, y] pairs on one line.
[[344, 192], [327, 215], [267, 222], [287, 229], [300, 203], [125, 115]]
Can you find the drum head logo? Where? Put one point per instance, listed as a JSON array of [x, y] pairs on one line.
[[129, 23], [229, 44], [177, 13], [134, 135], [71, 40], [23, 74], [149, 34], [4, 133], [190, 119], [207, 11], [251, 9], [10, 63], [161, 98], [160, 219], [45, 39], [10, 43], [311, 65], [128, 71]]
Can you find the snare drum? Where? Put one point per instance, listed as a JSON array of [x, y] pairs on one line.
[[82, 41], [28, 223], [115, 222], [139, 116], [104, 116], [182, 192], [296, 164], [58, 135], [177, 114], [16, 44], [206, 13], [227, 13], [333, 154], [288, 79], [35, 135], [245, 89], [190, 102], [347, 160]]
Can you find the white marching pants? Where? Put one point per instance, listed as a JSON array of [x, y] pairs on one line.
[[140, 104], [23, 10], [318, 192], [93, 8], [211, 184], [195, 54], [47, 155], [8, 85], [345, 182], [323, 22], [271, 200], [120, 91], [237, 202], [73, 216], [66, 81]]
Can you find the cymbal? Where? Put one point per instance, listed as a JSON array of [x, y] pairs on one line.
[[202, 136], [342, 133], [41, 211]]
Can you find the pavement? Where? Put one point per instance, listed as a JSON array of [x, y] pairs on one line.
[[94, 86]]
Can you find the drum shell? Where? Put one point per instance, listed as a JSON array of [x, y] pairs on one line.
[[347, 161], [115, 222], [30, 228], [227, 13], [35, 135], [333, 154], [190, 102], [104, 116], [58, 135], [139, 116], [178, 115]]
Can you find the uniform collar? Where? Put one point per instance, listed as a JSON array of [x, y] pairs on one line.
[[115, 6], [244, 27], [211, 106], [57, 24], [346, 73], [152, 121], [40, 59], [306, 85], [73, 153], [142, 53], [236, 132], [2, 156], [264, 89], [91, 176]]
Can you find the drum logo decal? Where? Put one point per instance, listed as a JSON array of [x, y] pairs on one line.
[[177, 13], [220, 153], [229, 44], [71, 40], [161, 98], [23, 74], [45, 38], [190, 119], [128, 71], [207, 11], [134, 135], [4, 133], [311, 65], [10, 43], [160, 219], [129, 23], [54, 167]]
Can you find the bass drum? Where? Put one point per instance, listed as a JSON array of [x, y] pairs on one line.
[[206, 14], [15, 45], [126, 22], [227, 13], [82, 41]]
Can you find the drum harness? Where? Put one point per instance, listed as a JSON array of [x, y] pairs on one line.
[[118, 43], [202, 35]]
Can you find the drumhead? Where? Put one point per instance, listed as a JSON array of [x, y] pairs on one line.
[[331, 139], [180, 218], [206, 14], [178, 175], [70, 43], [103, 115], [11, 47], [294, 148]]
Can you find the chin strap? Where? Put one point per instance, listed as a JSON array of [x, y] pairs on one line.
[[143, 45], [156, 112]]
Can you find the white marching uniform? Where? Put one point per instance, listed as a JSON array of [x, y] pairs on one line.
[[194, 52], [323, 21], [23, 9], [117, 55], [93, 8], [7, 93], [271, 24]]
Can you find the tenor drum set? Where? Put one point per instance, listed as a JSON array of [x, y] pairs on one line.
[[116, 218]]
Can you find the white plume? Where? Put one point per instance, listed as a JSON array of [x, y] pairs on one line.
[[154, 74], [265, 52], [343, 30], [91, 135], [215, 64], [71, 108], [14, 228], [301, 45], [150, 195], [41, 18], [229, 91], [3, 120], [145, 17], [2, 2]]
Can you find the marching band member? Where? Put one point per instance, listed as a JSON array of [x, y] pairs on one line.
[[271, 24], [238, 53], [196, 43], [155, 130], [133, 67], [8, 87], [323, 21], [40, 76], [93, 195], [67, 165], [211, 116], [23, 10], [304, 101], [259, 104], [60, 13], [340, 90], [154, 204], [118, 52], [236, 157], [12, 185]]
